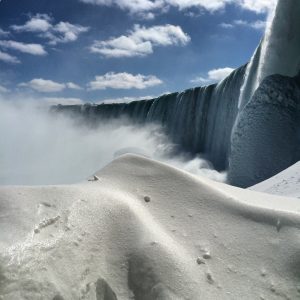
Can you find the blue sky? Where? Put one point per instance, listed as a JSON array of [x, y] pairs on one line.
[[93, 50]]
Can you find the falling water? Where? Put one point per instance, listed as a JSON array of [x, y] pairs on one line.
[[279, 50]]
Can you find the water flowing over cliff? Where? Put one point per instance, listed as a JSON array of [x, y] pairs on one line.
[[279, 50], [198, 120]]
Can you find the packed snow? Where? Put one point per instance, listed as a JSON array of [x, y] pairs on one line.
[[286, 183], [140, 229]]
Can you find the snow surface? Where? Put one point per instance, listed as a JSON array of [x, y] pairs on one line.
[[286, 183], [139, 229]]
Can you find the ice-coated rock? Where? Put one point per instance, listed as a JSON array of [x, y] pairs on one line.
[[266, 137]]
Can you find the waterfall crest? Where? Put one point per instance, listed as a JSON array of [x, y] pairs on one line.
[[279, 50]]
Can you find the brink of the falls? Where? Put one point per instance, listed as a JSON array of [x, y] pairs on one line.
[[278, 52]]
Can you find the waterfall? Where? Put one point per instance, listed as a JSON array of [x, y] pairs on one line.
[[279, 50], [220, 120], [198, 120]]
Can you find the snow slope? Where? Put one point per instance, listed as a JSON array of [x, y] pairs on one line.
[[286, 183], [143, 230]]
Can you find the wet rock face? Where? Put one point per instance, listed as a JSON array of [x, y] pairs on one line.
[[266, 137]]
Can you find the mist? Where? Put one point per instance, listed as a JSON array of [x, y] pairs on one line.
[[41, 148]]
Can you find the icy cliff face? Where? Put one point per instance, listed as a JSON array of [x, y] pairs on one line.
[[266, 137]]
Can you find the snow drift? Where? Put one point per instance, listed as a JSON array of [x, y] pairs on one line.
[[286, 183], [144, 230]]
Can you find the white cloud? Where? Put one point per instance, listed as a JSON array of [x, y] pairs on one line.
[[73, 86], [48, 86], [3, 33], [258, 6], [157, 6], [210, 5], [34, 49], [5, 57], [227, 25], [62, 32], [38, 23], [214, 75], [146, 16], [258, 24], [219, 74], [123, 81], [44, 86], [201, 80], [140, 41], [134, 6], [3, 89], [137, 6]]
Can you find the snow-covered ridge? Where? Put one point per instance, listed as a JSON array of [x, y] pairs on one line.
[[143, 230]]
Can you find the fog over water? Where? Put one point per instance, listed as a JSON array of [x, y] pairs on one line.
[[37, 147]]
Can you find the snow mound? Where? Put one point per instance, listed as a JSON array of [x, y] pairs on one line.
[[144, 230], [286, 183]]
